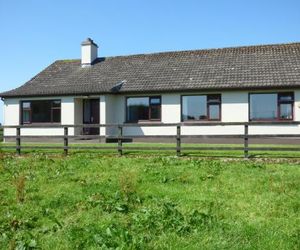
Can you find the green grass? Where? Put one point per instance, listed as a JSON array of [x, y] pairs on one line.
[[88, 201], [190, 153]]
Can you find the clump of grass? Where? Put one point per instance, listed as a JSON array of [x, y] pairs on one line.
[[128, 184], [20, 188], [12, 244], [257, 165], [184, 178]]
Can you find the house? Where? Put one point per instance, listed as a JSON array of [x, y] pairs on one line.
[[252, 83]]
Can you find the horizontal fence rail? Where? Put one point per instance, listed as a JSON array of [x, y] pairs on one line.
[[120, 137]]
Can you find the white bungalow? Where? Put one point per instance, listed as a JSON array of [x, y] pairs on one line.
[[240, 84]]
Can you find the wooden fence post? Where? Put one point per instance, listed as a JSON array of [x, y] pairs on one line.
[[66, 141], [120, 151], [246, 144], [178, 141], [18, 141]]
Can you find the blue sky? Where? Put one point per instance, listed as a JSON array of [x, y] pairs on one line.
[[34, 33]]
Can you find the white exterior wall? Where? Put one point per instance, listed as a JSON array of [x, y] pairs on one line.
[[11, 115], [234, 108], [103, 114]]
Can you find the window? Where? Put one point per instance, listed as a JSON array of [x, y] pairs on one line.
[[271, 106], [143, 109], [155, 108], [41, 111], [201, 107], [56, 111], [214, 107], [26, 112], [285, 104]]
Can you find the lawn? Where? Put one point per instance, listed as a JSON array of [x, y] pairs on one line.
[[91, 201]]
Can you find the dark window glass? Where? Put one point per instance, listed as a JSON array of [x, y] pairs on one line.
[[194, 108], [283, 97], [155, 113], [41, 111], [201, 107], [154, 101], [213, 98], [56, 115], [137, 108], [143, 108], [155, 108], [56, 104], [86, 111], [263, 106], [26, 116]]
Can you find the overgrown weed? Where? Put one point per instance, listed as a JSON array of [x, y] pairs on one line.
[[20, 188]]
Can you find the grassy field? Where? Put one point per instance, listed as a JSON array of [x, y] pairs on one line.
[[87, 201]]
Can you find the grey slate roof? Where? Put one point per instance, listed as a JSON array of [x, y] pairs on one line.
[[251, 67]]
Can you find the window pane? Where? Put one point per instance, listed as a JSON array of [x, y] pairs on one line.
[[56, 115], [285, 97], [286, 111], [86, 111], [155, 101], [214, 98], [26, 116], [56, 104], [214, 112], [194, 108], [137, 108], [263, 106], [155, 113], [26, 105], [41, 111]]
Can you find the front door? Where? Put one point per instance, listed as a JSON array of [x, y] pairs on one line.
[[91, 115]]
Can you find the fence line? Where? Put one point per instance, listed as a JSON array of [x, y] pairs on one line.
[[177, 136]]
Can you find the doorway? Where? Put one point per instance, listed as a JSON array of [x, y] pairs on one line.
[[91, 115]]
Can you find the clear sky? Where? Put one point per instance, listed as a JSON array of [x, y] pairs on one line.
[[34, 33]]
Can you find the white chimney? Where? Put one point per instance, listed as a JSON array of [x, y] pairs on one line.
[[89, 52]]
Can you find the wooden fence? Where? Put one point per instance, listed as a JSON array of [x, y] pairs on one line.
[[120, 137]]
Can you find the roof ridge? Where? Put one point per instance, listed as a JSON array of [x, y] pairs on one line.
[[231, 48], [193, 51]]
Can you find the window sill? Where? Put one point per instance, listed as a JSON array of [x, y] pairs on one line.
[[273, 121], [40, 124], [144, 122], [203, 121]]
